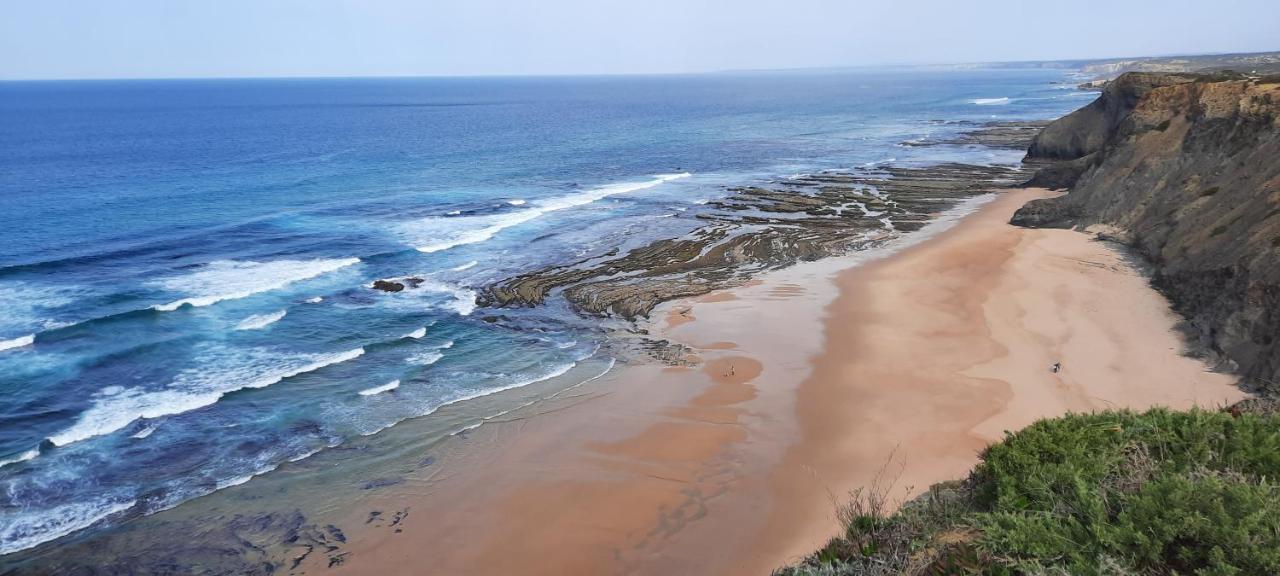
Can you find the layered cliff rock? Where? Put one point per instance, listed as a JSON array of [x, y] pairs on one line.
[[1186, 170]]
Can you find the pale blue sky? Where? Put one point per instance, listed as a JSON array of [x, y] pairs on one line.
[[190, 38]]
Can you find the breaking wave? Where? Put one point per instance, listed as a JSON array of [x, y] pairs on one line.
[[260, 321], [18, 342], [389, 386], [231, 279], [116, 407], [436, 234]]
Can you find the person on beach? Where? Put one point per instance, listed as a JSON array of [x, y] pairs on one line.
[[1056, 367]]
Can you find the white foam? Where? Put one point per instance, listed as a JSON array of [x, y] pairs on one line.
[[260, 321], [314, 300], [559, 371], [467, 266], [990, 101], [18, 342], [23, 457], [430, 357], [192, 389], [389, 386], [143, 433], [462, 300], [436, 234], [57, 522], [231, 279], [554, 373], [416, 333], [516, 202], [28, 307]]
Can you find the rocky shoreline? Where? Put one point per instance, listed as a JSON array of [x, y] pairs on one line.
[[755, 229]]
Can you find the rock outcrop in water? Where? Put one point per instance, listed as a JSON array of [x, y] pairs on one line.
[[755, 229], [1186, 169]]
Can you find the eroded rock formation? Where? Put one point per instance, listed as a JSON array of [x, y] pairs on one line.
[[1186, 170]]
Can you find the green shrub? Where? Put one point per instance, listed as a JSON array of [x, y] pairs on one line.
[[1160, 492]]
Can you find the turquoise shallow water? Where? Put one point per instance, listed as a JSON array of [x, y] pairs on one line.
[[184, 265]]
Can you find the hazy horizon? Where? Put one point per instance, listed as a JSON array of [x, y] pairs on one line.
[[155, 39]]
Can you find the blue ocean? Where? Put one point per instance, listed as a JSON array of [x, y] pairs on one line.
[[186, 265]]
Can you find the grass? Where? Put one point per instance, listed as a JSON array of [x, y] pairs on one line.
[[1160, 492]]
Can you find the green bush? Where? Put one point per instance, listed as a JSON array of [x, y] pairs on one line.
[[1160, 492]]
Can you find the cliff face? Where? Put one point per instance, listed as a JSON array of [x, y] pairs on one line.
[[1187, 171]]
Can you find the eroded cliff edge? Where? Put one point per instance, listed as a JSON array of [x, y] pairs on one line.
[[1185, 169]]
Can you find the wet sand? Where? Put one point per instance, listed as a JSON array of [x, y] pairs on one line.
[[807, 382]]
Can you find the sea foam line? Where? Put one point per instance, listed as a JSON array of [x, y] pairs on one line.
[[260, 321], [389, 386], [502, 413], [18, 342], [470, 230], [23, 457], [122, 407], [231, 279]]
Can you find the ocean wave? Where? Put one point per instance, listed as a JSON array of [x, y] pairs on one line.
[[389, 386], [232, 279], [194, 388], [516, 202], [260, 321], [23, 531], [28, 307], [18, 342], [23, 457], [990, 101], [437, 234], [463, 299], [416, 334], [314, 300], [467, 266], [431, 356]]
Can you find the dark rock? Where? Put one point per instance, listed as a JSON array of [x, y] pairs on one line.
[[1044, 214], [380, 483], [387, 286], [1011, 135]]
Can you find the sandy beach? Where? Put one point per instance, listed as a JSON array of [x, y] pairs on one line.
[[802, 386]]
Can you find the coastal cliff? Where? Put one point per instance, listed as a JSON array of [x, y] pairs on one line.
[[1186, 170]]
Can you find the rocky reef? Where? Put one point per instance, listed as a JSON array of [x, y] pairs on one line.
[[1013, 135], [1185, 169], [753, 229]]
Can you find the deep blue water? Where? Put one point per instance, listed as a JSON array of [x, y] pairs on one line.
[[184, 265]]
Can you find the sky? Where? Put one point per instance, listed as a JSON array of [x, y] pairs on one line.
[[45, 39]]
